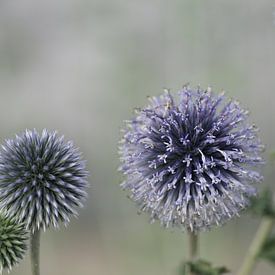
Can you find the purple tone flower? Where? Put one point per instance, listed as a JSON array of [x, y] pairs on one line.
[[43, 179], [191, 162]]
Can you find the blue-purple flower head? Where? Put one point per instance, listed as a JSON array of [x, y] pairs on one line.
[[191, 161], [43, 179]]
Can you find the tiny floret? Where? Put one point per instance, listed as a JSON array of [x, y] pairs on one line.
[[190, 161], [43, 179], [13, 246]]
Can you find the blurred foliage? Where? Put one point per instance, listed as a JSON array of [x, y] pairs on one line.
[[272, 156], [268, 250], [202, 267], [263, 205]]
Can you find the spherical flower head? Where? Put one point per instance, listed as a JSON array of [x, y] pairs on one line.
[[190, 161], [43, 179], [13, 246]]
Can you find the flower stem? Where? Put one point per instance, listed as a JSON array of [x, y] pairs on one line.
[[193, 249], [35, 245], [262, 234]]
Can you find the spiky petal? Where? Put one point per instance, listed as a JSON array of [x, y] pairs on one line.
[[43, 179], [13, 246], [190, 161]]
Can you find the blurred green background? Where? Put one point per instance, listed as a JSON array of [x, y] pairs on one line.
[[81, 66]]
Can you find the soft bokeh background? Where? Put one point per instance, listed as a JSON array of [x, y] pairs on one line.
[[81, 66]]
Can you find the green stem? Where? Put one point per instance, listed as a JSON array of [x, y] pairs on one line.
[[193, 240], [262, 234], [35, 245]]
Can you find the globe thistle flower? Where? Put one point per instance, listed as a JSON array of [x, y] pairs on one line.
[[13, 238], [43, 179], [190, 162]]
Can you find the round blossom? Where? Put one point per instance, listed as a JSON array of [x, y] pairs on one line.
[[13, 238], [191, 161], [43, 179]]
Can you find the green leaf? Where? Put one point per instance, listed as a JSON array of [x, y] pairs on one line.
[[202, 267], [268, 250], [263, 204]]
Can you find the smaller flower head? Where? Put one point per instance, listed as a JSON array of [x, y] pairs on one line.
[[13, 238], [43, 179]]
